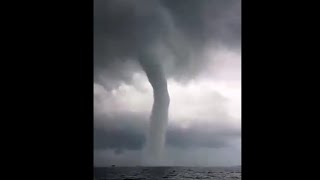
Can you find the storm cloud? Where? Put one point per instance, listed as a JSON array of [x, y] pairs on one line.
[[177, 32]]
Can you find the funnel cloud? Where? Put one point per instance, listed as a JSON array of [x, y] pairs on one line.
[[159, 116]]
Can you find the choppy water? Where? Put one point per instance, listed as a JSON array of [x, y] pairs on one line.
[[173, 173]]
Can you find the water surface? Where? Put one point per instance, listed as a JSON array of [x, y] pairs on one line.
[[173, 173]]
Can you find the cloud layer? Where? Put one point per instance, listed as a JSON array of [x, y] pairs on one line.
[[176, 32]]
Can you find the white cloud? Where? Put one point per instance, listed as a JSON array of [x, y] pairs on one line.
[[209, 101]]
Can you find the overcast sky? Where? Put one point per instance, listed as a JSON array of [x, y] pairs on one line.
[[198, 42]]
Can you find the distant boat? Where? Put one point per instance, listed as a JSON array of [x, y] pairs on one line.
[[113, 166]]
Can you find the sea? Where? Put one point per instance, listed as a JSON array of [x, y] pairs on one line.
[[167, 173]]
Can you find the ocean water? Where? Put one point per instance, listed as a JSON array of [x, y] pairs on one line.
[[167, 173]]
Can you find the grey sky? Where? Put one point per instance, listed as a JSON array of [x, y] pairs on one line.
[[199, 45]]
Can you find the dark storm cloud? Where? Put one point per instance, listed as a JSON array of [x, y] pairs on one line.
[[126, 132], [122, 29], [180, 29], [119, 132], [118, 139], [196, 137], [203, 20]]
